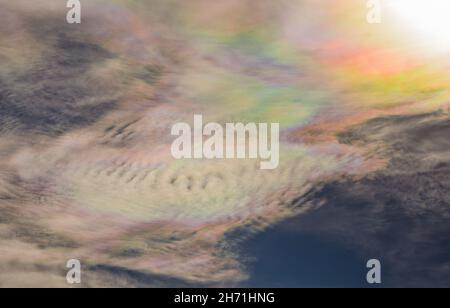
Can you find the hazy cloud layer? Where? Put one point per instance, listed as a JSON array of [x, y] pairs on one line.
[[85, 118]]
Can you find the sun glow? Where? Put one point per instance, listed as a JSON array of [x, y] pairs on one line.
[[427, 20]]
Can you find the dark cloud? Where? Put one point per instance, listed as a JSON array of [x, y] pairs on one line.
[[41, 237], [58, 92], [150, 73], [123, 277], [398, 215]]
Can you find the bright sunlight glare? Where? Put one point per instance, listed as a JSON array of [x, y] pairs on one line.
[[427, 20]]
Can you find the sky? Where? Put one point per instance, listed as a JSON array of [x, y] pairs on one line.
[[86, 111]]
